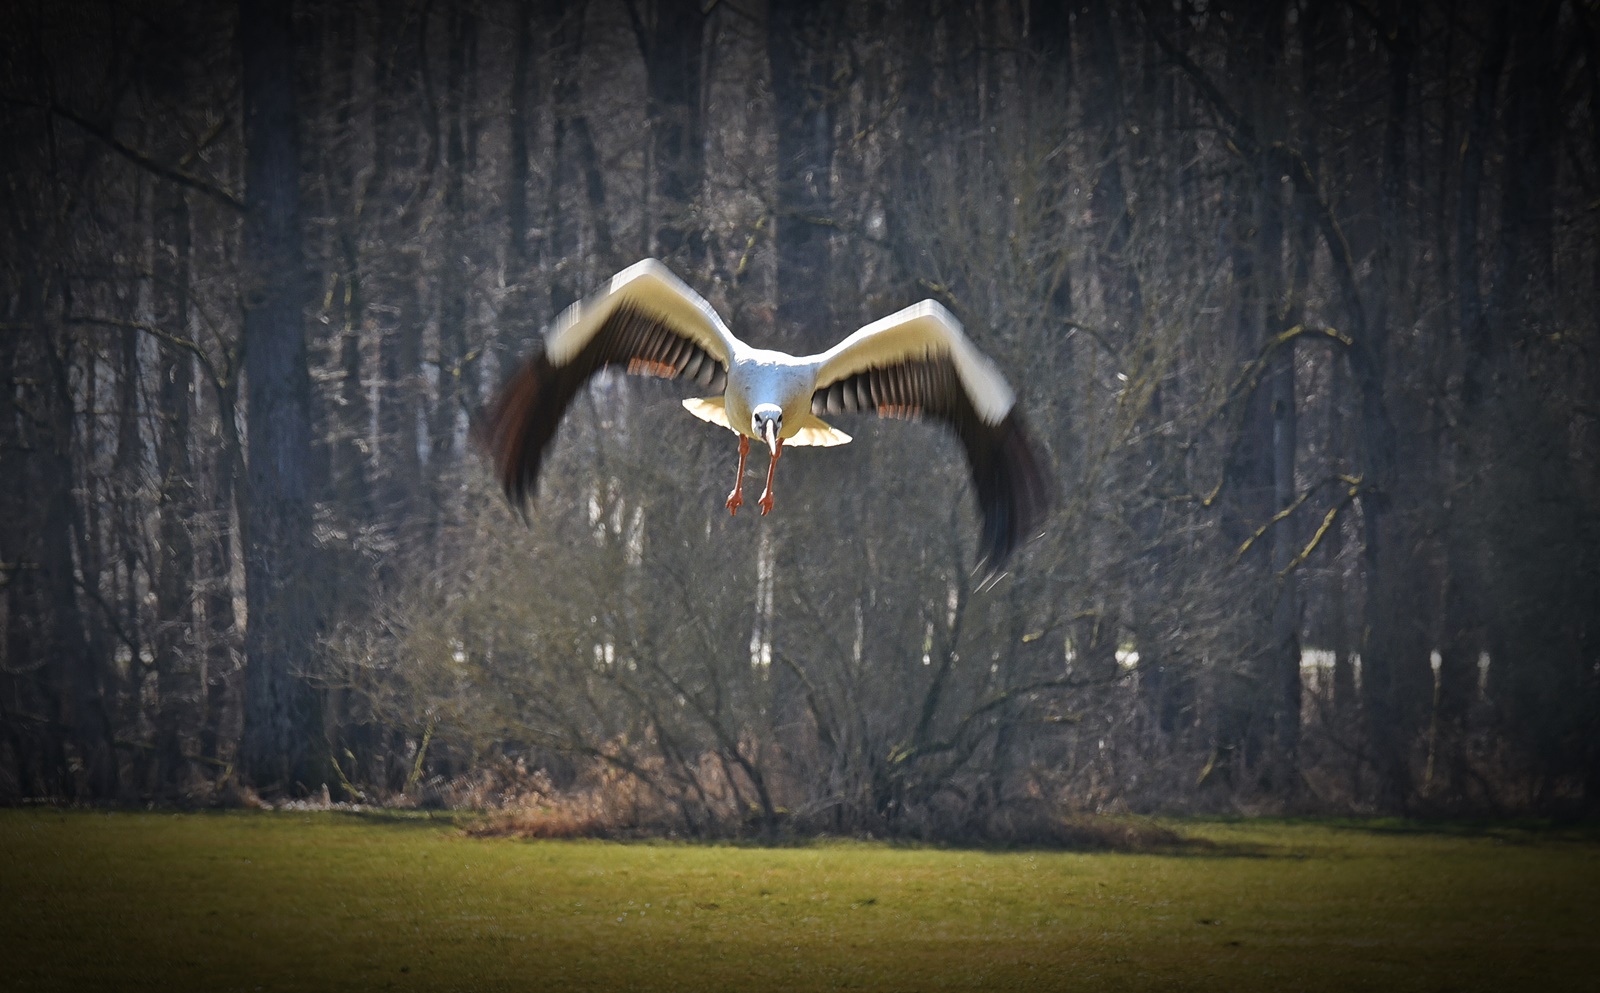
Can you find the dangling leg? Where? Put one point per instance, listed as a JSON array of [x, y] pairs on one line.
[[766, 494], [736, 498]]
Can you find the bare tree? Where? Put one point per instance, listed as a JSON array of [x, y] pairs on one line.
[[280, 569]]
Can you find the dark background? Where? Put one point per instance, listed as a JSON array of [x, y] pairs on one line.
[[1298, 296]]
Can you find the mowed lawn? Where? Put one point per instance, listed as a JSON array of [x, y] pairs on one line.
[[297, 901]]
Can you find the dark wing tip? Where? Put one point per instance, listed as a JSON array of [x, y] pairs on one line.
[[518, 423], [1014, 490], [1009, 472], [517, 426]]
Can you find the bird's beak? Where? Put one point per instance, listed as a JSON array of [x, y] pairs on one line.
[[770, 431]]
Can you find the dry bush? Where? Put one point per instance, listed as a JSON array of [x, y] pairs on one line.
[[500, 784], [233, 794], [607, 801], [565, 815]]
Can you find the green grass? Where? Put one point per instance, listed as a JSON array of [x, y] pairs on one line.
[[253, 901]]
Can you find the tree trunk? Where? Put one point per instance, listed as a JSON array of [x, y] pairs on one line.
[[400, 173], [799, 49], [673, 50], [1050, 32], [1283, 651], [350, 452], [177, 667], [60, 681], [280, 708], [519, 317], [1544, 575], [222, 656], [573, 155], [457, 379], [1388, 656], [1460, 646], [1113, 218], [83, 684]]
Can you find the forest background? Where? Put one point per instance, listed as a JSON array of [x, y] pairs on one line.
[[1299, 297]]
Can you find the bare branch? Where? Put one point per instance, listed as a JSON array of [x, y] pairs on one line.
[[219, 380], [1354, 482], [1327, 525], [175, 174]]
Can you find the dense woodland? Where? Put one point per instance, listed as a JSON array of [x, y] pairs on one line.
[[1299, 298]]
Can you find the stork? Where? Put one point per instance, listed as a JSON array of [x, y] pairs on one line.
[[912, 364]]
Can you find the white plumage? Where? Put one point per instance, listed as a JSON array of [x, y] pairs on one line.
[[913, 363]]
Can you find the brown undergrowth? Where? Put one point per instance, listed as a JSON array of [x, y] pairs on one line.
[[619, 806]]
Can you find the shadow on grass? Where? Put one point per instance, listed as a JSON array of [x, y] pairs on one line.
[[1516, 831], [1018, 831], [406, 817]]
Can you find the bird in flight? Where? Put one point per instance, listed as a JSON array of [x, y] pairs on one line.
[[912, 364]]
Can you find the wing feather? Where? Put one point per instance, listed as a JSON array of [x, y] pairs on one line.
[[916, 364], [921, 330], [645, 321]]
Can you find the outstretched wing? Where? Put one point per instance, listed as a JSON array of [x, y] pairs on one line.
[[917, 363], [644, 320]]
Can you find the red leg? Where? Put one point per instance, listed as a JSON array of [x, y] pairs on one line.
[[766, 494], [736, 498]]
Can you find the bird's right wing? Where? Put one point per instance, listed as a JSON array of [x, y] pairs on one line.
[[645, 320]]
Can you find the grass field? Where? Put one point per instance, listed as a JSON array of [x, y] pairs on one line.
[[256, 901]]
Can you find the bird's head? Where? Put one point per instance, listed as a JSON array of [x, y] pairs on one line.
[[766, 422]]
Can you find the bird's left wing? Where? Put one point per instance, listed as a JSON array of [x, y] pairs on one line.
[[644, 320], [918, 363]]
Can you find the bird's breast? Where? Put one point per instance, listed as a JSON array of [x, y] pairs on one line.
[[769, 377]]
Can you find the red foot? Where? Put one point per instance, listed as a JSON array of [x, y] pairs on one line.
[[772, 467], [736, 498]]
